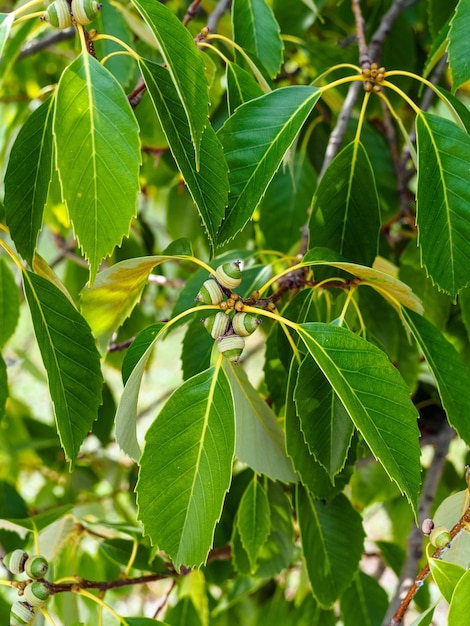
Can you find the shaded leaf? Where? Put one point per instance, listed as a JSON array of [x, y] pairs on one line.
[[345, 208], [364, 603], [99, 177], [185, 64], [3, 386], [6, 20], [443, 201], [138, 347], [451, 375], [196, 350], [254, 520], [255, 29], [241, 86], [254, 150], [325, 541], [186, 468], [27, 179], [70, 358], [38, 522], [457, 49], [9, 303], [375, 397], [260, 440], [207, 184]]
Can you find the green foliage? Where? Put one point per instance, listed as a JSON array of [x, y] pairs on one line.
[[244, 471]]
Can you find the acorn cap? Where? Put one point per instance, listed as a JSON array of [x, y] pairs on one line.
[[210, 292], [36, 593], [229, 275], [36, 566], [217, 325], [21, 613], [231, 347], [245, 323], [14, 561]]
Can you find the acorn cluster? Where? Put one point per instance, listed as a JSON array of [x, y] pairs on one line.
[[59, 13], [231, 325], [33, 592], [374, 77]]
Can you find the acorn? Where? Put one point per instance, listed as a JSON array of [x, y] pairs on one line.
[[439, 537], [58, 14], [231, 347], [245, 323], [14, 561], [210, 292], [21, 613], [85, 11], [36, 566], [217, 325], [229, 275], [36, 593]]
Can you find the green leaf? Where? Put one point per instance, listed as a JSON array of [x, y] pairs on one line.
[[326, 426], [375, 397], [425, 619], [122, 551], [187, 461], [40, 521], [9, 303], [459, 62], [364, 603], [126, 414], [6, 20], [446, 576], [3, 386], [143, 621], [260, 440], [71, 360], [460, 604], [254, 520], [185, 64], [207, 184], [255, 150], [197, 349], [99, 177], [241, 86], [451, 375], [255, 29], [27, 179], [184, 612], [443, 200], [345, 208], [332, 535]]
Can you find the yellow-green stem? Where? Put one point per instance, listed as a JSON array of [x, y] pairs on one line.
[[102, 603], [275, 278], [121, 43], [10, 252], [27, 6], [360, 122], [130, 563], [25, 18], [336, 67], [47, 615], [399, 122], [204, 44], [399, 91]]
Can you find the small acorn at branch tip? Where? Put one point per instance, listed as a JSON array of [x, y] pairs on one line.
[[229, 274], [439, 537], [427, 526], [36, 566]]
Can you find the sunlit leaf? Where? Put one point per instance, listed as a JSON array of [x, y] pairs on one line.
[[71, 360], [443, 201], [186, 468], [99, 175], [241, 86], [460, 603], [375, 397], [459, 62], [3, 386], [6, 20], [446, 576], [27, 179]]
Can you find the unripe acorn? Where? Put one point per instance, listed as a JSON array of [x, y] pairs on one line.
[[231, 347], [439, 537], [58, 14], [210, 292], [85, 11], [217, 325], [21, 613], [36, 593], [229, 275], [36, 566], [14, 561], [245, 323]]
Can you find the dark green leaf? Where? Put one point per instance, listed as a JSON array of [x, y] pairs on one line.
[[197, 349], [27, 179], [71, 360], [254, 520], [9, 303], [364, 603], [459, 62], [241, 86], [138, 347], [186, 468], [255, 150]]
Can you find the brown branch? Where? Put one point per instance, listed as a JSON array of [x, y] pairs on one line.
[[364, 58], [191, 12], [214, 18], [37, 45]]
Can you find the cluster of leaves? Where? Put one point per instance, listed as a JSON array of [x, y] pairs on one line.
[[366, 310]]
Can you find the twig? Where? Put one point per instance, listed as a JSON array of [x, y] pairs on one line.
[[214, 18], [364, 58], [414, 549], [191, 12], [46, 42]]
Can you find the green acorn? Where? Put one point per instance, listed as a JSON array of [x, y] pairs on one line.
[[229, 275], [85, 11], [14, 561], [231, 347], [439, 537], [245, 323], [210, 292], [36, 593], [58, 14], [21, 613], [217, 325], [36, 566]]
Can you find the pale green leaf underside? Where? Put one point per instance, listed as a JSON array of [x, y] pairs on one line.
[[260, 440], [443, 201], [208, 186], [185, 64], [255, 140], [375, 397], [460, 604], [446, 576], [186, 468], [345, 208], [70, 358], [459, 60], [98, 156]]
